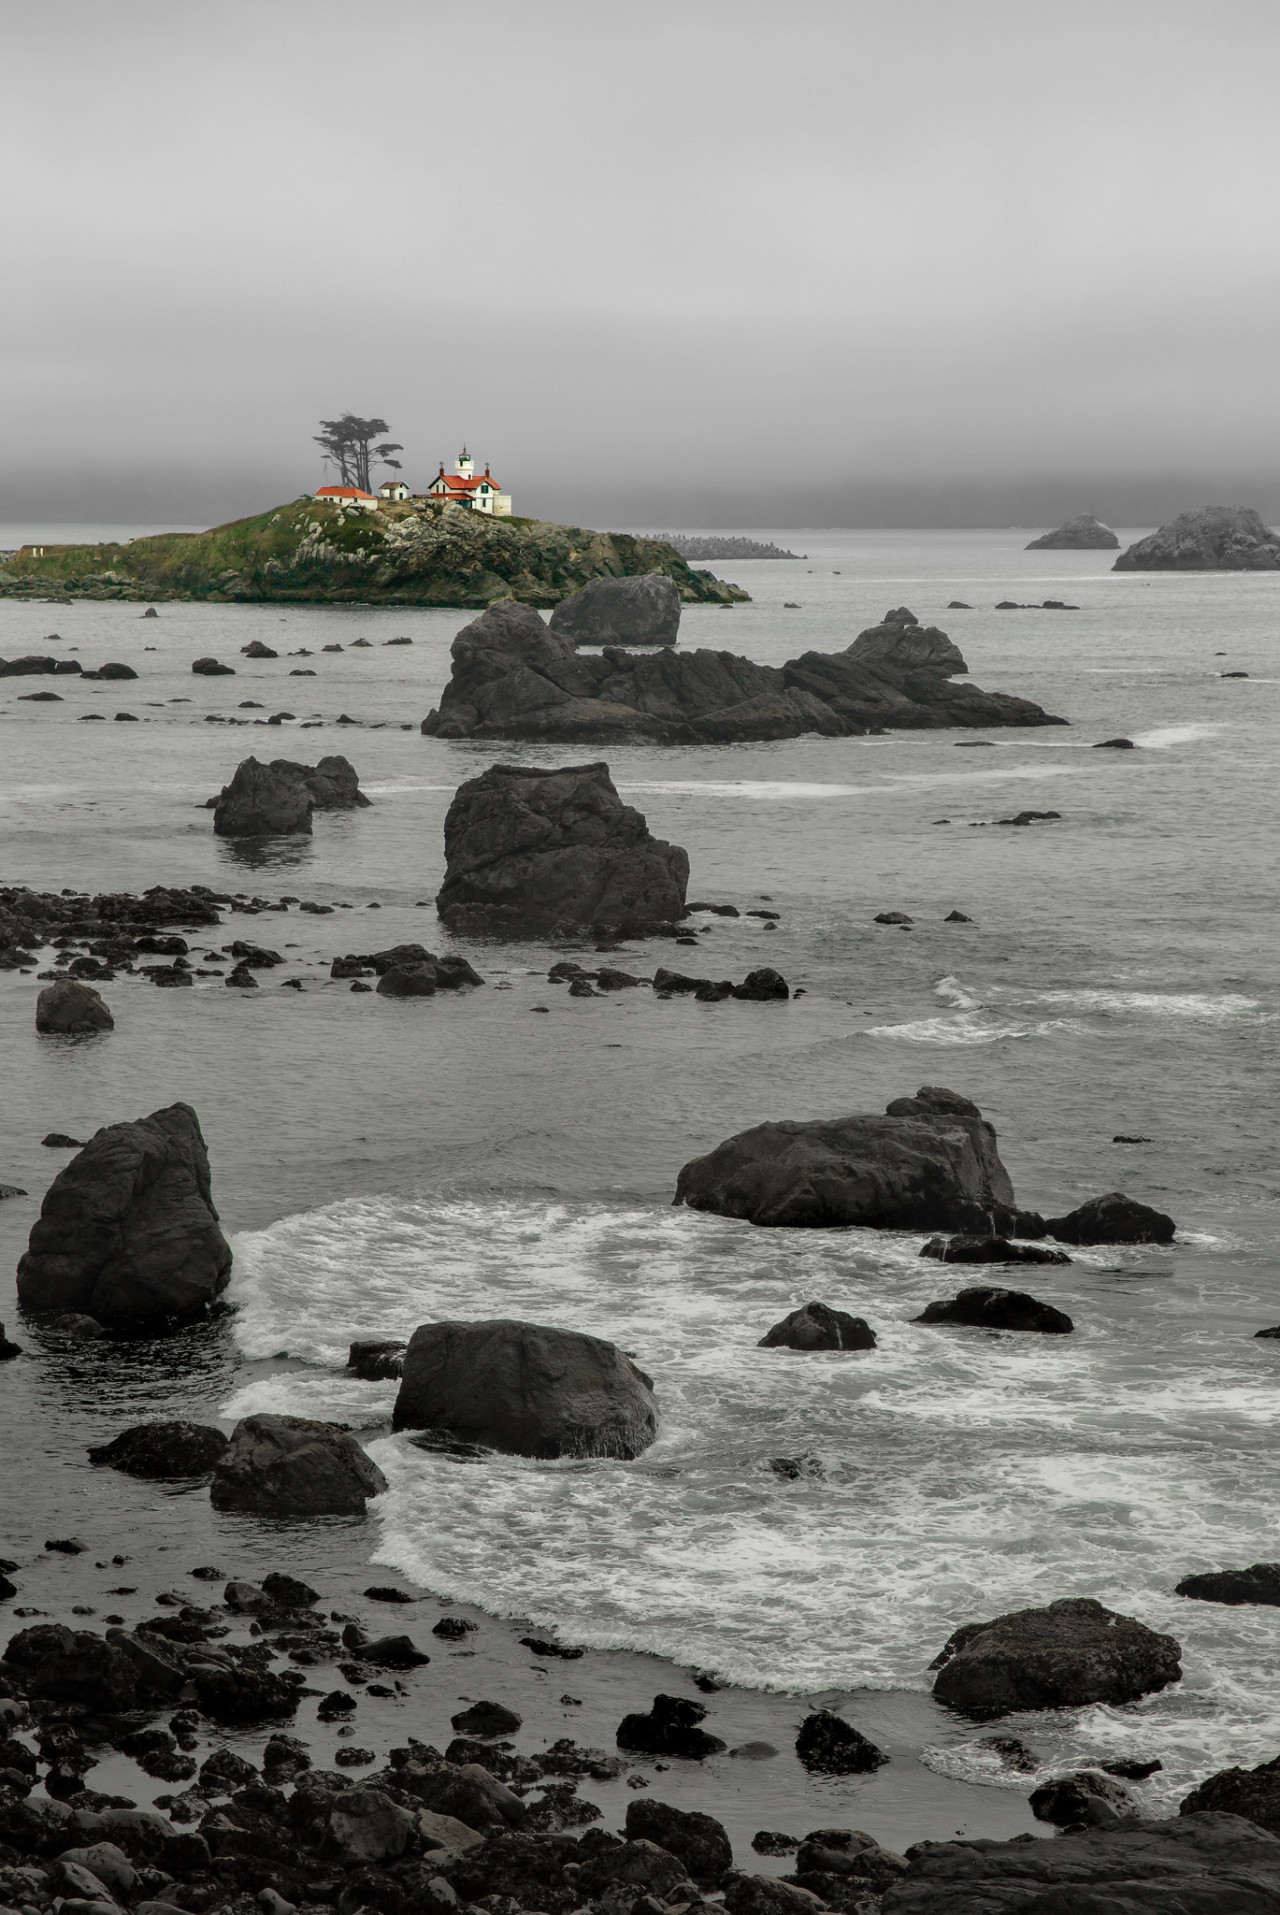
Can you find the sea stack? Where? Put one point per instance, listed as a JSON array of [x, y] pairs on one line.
[[1217, 538], [1084, 533]]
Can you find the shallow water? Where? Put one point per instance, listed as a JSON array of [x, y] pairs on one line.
[[381, 1163]]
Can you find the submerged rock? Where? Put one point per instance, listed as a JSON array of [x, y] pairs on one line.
[[929, 1162], [128, 1227], [1217, 538], [293, 1466], [1084, 533], [621, 611], [1063, 1656], [72, 1009], [989, 1250], [530, 851], [527, 1389], [817, 1327], [1260, 1583], [1112, 1219], [993, 1309], [163, 1449]]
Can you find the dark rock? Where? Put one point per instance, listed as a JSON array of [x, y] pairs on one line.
[[929, 1162], [391, 1652], [1260, 1583], [289, 1591], [237, 1697], [1131, 1771], [1112, 1219], [529, 851], [1013, 1752], [1217, 538], [697, 1841], [467, 1792], [1253, 1793], [160, 1671], [1275, 1332], [762, 985], [1063, 1656], [893, 917], [1085, 1798], [163, 1449], [57, 1140], [417, 980], [900, 640], [817, 1327], [368, 1826], [994, 1309], [540, 1646], [766, 1895], [1115, 744], [225, 1771], [957, 917], [387, 1592], [772, 1842], [263, 801], [453, 1628], [670, 1728], [376, 1362], [828, 1745], [832, 1860], [487, 1718], [621, 611], [292, 1466], [210, 668], [256, 649], [989, 1250], [62, 1665], [128, 1227], [1081, 534], [8, 1351], [71, 1009], [526, 1389]]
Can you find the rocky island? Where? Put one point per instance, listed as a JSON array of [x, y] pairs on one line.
[[314, 552], [1084, 533], [1217, 538], [515, 677]]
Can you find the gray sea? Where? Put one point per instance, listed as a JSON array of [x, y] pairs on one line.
[[382, 1163]]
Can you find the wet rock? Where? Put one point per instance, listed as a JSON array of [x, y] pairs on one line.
[[225, 1771], [828, 1745], [453, 1628], [988, 1308], [263, 801], [391, 1652], [64, 1665], [210, 668], [294, 1466], [930, 1161], [1131, 1771], [467, 1792], [621, 611], [256, 649], [759, 986], [698, 1842], [71, 1009], [957, 917], [1260, 1583], [766, 1895], [486, 1718], [238, 1697], [58, 1140], [128, 1227], [773, 1842], [527, 1389], [530, 851], [375, 1361], [159, 1670], [843, 1865], [670, 1728], [289, 1591], [1084, 533], [1115, 744], [1112, 1219], [639, 1865], [817, 1327], [163, 1449], [8, 1350], [893, 917], [1013, 1753], [989, 1250], [369, 1827], [1085, 1798], [1253, 1793], [1216, 538], [1063, 1656]]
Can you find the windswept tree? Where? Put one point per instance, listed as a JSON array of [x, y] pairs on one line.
[[348, 443]]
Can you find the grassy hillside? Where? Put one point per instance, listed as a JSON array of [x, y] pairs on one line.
[[311, 553]]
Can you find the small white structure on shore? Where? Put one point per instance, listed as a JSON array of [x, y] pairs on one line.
[[393, 490], [346, 495], [462, 487]]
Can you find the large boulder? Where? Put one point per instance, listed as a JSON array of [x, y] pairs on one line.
[[58, 1664], [1114, 1218], [930, 1162], [263, 801], [698, 1841], [901, 640], [529, 851], [1260, 1583], [1254, 1793], [1086, 1797], [1203, 1865], [815, 1326], [1084, 533], [621, 611], [1064, 1656], [128, 1227], [1217, 538], [828, 1745], [526, 1389], [987, 1308], [71, 1009], [163, 1449], [292, 1466]]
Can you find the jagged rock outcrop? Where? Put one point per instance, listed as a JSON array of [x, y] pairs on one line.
[[515, 677], [70, 1008], [621, 611], [529, 852], [1063, 1656], [1084, 533], [128, 1227], [1254, 1793], [294, 1466], [1217, 538], [527, 1389], [267, 801], [1259, 1583], [929, 1162]]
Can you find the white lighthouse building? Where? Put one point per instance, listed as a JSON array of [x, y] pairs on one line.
[[463, 487]]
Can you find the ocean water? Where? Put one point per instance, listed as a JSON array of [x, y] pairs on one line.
[[379, 1164]]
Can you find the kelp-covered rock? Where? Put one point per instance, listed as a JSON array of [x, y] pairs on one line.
[[1217, 538]]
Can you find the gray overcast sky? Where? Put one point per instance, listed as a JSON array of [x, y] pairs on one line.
[[660, 261]]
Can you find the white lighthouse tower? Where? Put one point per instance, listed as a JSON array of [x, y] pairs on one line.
[[464, 465]]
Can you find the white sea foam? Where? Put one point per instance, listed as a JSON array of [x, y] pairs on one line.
[[1153, 1003], [1164, 737], [793, 789]]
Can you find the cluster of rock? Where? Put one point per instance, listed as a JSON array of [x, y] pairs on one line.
[[1084, 533], [113, 927], [761, 986], [1217, 538], [406, 970], [515, 677], [278, 799], [33, 664]]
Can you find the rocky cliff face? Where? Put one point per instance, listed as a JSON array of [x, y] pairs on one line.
[[1217, 538], [1084, 533], [406, 554]]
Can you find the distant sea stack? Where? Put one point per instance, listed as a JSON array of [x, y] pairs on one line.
[[712, 547], [1081, 534], [1217, 538]]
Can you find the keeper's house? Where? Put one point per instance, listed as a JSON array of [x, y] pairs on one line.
[[463, 487]]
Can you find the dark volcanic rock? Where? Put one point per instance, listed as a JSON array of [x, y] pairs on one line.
[[527, 1389], [1254, 1793], [529, 851], [989, 1250], [263, 801], [128, 1227], [1063, 1656], [1081, 534], [1260, 1583], [993, 1309], [376, 1362], [71, 1009], [1217, 538], [1112, 1219], [62, 1665], [8, 1350], [698, 1841], [930, 1162], [239, 1696], [670, 1728], [766, 1895], [1204, 1865], [408, 980], [828, 1745], [487, 1718], [621, 611], [817, 1327], [1083, 1799], [513, 677], [900, 639], [210, 668], [292, 1466], [762, 985], [333, 784], [163, 1449]]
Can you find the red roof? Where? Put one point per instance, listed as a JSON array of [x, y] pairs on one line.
[[341, 492], [457, 483]]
